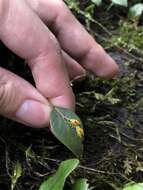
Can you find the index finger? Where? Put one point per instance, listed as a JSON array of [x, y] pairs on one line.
[[74, 39], [25, 34]]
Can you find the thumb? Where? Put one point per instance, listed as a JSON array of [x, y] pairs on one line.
[[20, 101]]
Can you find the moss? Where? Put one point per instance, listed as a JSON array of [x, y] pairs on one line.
[[128, 36]]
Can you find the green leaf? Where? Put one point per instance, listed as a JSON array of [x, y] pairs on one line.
[[81, 184], [97, 2], [135, 11], [133, 186], [57, 181], [17, 172], [120, 2], [67, 128]]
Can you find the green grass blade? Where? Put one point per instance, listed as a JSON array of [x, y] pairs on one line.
[[133, 186], [57, 181], [81, 184]]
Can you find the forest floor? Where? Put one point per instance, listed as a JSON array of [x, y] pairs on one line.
[[111, 111]]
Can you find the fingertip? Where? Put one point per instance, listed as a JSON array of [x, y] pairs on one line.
[[110, 70], [100, 63]]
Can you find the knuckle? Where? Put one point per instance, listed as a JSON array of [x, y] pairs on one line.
[[56, 46], [7, 98]]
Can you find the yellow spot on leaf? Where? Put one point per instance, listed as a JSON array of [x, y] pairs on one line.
[[79, 131], [74, 122]]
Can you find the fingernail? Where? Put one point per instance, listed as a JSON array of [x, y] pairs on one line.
[[79, 78], [34, 113]]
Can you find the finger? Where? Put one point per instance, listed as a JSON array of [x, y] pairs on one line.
[[73, 37], [20, 101], [25, 34], [75, 70]]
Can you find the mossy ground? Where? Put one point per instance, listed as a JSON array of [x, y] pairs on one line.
[[111, 111]]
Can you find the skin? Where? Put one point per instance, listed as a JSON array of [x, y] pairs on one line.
[[57, 49]]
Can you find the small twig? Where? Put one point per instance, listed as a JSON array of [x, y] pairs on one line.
[[95, 22], [97, 171], [129, 54], [42, 175], [7, 162], [6, 157], [131, 138], [3, 140], [118, 47], [104, 172], [52, 159]]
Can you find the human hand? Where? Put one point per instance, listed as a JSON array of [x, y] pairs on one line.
[[57, 50]]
